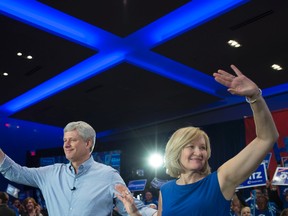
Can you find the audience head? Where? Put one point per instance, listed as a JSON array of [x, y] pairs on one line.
[[181, 138], [30, 204], [17, 203], [245, 211], [4, 197], [284, 212], [261, 191], [148, 196], [236, 205], [262, 202]]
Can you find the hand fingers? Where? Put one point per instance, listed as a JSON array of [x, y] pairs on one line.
[[224, 78], [225, 75], [236, 70], [228, 76]]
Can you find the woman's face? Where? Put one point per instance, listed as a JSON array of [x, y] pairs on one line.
[[194, 155], [246, 211], [30, 205]]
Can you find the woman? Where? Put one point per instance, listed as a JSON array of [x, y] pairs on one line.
[[32, 208], [196, 191]]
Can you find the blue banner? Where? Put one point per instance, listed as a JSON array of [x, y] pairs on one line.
[[281, 176], [137, 185]]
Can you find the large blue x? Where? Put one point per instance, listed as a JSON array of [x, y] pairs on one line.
[[134, 49]]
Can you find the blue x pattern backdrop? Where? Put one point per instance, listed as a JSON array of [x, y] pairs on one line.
[[113, 50]]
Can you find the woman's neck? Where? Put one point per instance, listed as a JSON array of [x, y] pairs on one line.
[[31, 212], [189, 178]]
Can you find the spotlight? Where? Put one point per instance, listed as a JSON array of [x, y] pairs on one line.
[[156, 160]]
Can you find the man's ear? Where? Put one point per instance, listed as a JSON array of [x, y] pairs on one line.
[[89, 143]]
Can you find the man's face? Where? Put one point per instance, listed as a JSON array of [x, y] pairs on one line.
[[75, 148], [261, 202], [17, 203]]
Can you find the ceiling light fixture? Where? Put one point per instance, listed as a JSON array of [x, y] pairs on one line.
[[19, 54], [234, 43], [276, 67], [29, 57], [5, 74]]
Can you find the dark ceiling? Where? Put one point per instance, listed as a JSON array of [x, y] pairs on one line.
[[118, 71]]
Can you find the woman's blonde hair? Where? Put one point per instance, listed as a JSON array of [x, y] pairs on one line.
[[175, 145]]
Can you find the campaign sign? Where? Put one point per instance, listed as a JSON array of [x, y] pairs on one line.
[[13, 191], [137, 185], [258, 178], [157, 183], [280, 176]]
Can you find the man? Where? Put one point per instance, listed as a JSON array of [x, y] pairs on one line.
[[261, 204], [4, 209], [81, 187], [18, 207]]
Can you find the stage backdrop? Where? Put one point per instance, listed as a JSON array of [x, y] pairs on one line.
[[280, 148]]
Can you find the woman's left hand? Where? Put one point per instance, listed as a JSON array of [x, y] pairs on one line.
[[239, 84]]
